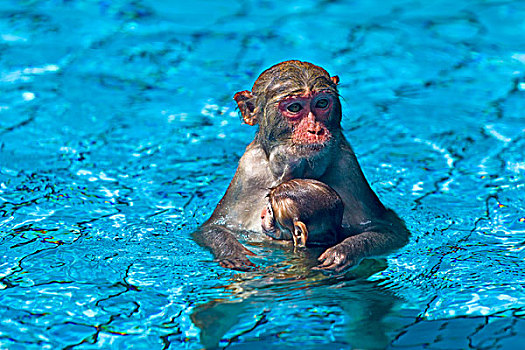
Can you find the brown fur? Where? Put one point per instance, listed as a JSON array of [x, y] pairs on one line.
[[304, 199], [273, 158], [310, 202]]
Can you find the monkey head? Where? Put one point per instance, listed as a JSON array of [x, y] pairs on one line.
[[304, 211], [296, 105]]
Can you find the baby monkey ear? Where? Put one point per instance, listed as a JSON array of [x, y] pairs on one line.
[[335, 79], [300, 234], [246, 103]]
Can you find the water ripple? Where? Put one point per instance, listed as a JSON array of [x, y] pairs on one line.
[[118, 136]]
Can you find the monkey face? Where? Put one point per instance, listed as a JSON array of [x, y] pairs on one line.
[[318, 232], [297, 107], [309, 116], [272, 227], [283, 228], [268, 221]]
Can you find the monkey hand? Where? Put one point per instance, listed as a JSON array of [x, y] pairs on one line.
[[237, 260], [228, 251], [338, 258]]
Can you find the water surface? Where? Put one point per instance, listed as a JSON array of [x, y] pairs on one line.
[[118, 136]]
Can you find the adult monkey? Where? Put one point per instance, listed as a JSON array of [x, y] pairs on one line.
[[296, 105]]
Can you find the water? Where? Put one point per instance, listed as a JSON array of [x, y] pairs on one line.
[[118, 135]]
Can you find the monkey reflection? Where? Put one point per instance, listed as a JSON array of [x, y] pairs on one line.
[[305, 211]]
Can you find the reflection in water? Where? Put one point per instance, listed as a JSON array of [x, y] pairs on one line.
[[349, 310]]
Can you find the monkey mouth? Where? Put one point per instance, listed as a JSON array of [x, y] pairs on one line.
[[310, 146], [314, 142], [308, 151]]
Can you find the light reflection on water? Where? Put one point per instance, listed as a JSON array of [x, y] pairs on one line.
[[118, 136]]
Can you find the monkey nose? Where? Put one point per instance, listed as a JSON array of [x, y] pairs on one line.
[[315, 130]]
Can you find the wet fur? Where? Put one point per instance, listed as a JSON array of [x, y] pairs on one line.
[[369, 228]]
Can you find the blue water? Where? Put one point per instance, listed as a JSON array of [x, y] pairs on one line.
[[118, 136]]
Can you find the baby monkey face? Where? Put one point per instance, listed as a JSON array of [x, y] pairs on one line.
[[321, 230], [305, 211], [283, 228], [268, 221]]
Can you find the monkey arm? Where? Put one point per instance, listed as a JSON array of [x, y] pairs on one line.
[[369, 229], [376, 240], [238, 211], [224, 246]]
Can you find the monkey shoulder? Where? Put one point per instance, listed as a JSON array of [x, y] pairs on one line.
[[254, 162], [241, 206], [253, 174]]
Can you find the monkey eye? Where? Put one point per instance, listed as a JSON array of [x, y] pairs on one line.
[[322, 103], [294, 107]]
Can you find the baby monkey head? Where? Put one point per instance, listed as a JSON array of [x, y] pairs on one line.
[[305, 211]]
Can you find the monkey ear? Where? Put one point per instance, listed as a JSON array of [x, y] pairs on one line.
[[335, 79], [300, 233], [245, 102]]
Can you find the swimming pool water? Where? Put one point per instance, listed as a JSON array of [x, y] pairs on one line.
[[118, 136]]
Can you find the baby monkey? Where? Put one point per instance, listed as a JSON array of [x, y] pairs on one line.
[[305, 211]]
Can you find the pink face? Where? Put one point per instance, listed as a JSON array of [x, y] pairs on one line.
[[308, 115], [271, 227], [268, 221]]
